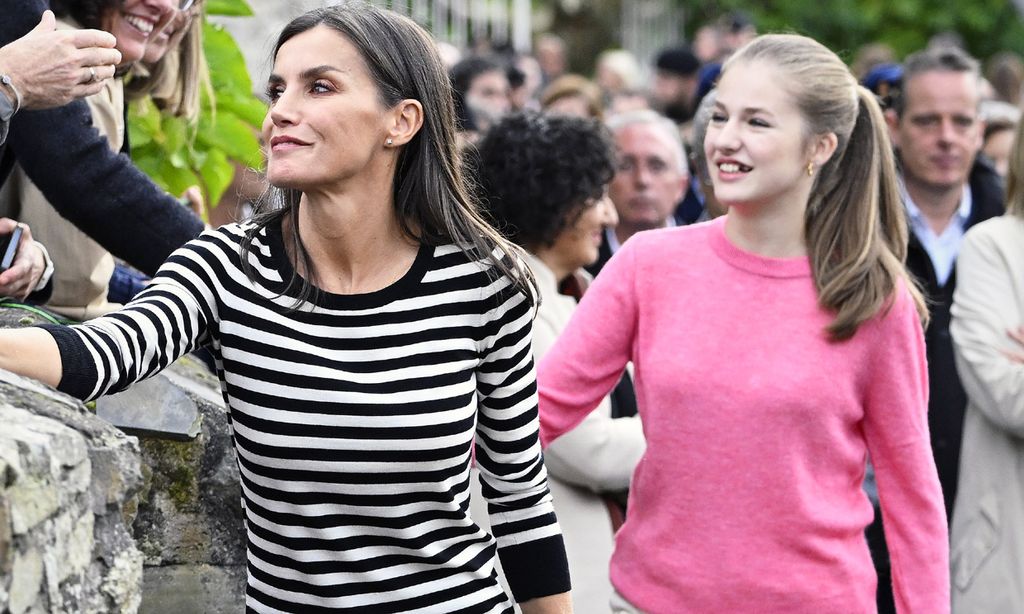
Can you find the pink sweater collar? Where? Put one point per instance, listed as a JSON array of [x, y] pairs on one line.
[[753, 263]]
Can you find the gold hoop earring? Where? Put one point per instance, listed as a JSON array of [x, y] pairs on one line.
[[810, 169]]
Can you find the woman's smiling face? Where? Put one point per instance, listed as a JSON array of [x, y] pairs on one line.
[[134, 22], [326, 122]]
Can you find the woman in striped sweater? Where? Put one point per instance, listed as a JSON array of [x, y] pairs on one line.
[[370, 333]]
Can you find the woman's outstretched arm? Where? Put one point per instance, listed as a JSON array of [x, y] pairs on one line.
[[31, 352]]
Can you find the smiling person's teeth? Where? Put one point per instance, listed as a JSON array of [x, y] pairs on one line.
[[729, 167], [140, 24]]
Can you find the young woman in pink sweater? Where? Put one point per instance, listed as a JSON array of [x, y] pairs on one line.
[[774, 348]]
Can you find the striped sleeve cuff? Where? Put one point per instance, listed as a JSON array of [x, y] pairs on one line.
[[536, 568], [78, 371]]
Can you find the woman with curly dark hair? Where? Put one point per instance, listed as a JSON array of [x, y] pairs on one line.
[[545, 181]]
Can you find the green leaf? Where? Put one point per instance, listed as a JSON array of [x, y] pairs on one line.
[[218, 172], [228, 71], [247, 108], [231, 135], [177, 179], [177, 154], [232, 8]]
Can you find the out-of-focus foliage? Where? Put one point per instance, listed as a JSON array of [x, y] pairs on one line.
[[177, 155], [987, 26]]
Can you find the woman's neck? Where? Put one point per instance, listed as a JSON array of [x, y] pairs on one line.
[[355, 243], [551, 259], [776, 232]]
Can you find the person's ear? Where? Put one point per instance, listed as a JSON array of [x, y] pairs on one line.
[[892, 120], [405, 121], [822, 148]]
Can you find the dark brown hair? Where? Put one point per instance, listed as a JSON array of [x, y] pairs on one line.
[[431, 199]]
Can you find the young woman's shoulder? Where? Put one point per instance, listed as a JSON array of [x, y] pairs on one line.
[[676, 240], [897, 318]]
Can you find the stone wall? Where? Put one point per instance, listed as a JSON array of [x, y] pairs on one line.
[[67, 499], [142, 517]]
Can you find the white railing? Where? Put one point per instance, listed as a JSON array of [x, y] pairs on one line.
[[461, 21], [649, 26]]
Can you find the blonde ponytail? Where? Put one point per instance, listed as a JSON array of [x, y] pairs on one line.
[[855, 227]]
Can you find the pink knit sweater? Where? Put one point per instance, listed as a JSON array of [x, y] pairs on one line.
[[749, 495]]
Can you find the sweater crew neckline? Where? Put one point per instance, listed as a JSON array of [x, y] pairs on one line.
[[750, 262], [330, 300]]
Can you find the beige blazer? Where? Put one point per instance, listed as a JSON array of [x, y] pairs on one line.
[[82, 268], [987, 534]]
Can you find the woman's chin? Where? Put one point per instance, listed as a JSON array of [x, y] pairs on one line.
[[287, 181]]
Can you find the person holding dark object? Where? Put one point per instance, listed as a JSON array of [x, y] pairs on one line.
[[84, 267], [372, 338], [99, 191], [26, 268], [43, 69], [545, 182], [773, 347]]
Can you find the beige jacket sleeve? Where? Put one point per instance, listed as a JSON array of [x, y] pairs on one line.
[[989, 301], [601, 452]]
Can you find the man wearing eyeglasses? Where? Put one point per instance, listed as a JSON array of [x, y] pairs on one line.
[[85, 181]]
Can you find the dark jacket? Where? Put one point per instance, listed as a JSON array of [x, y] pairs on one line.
[[947, 400], [101, 192]]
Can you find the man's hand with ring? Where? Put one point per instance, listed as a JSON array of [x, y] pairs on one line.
[[50, 67]]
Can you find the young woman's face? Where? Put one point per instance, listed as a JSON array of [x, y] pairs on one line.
[[577, 245], [326, 123], [756, 142], [135, 22]]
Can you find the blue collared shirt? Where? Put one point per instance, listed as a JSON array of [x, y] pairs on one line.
[[613, 239], [941, 248]]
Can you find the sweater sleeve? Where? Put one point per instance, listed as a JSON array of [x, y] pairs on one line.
[[508, 455], [591, 353], [601, 453], [896, 431], [983, 310], [99, 191], [171, 317]]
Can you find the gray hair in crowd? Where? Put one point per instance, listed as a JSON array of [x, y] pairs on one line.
[[618, 122], [701, 118], [936, 59]]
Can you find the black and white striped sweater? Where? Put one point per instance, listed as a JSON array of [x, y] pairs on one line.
[[355, 422]]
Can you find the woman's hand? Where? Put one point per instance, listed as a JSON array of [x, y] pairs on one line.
[[1017, 355], [29, 263], [192, 198]]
